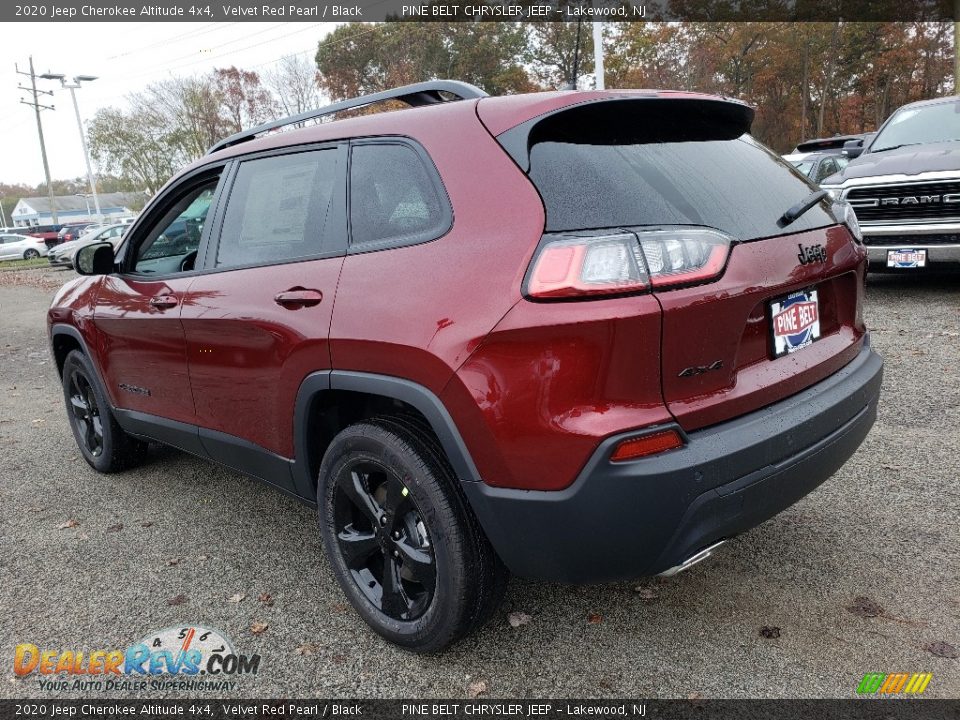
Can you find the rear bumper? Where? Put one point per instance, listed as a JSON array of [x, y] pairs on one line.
[[625, 520]]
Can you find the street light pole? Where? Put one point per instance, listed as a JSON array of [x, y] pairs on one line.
[[72, 87], [598, 55]]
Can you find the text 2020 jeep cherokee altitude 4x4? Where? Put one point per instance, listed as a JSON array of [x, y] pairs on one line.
[[579, 336]]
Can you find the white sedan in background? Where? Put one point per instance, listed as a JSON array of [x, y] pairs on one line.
[[63, 254], [21, 247]]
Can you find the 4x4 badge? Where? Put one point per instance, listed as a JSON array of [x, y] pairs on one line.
[[812, 254], [700, 369]]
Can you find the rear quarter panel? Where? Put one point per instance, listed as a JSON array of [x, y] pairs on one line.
[[418, 312]]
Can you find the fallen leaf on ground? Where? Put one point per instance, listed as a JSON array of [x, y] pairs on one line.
[[71, 523], [173, 561], [606, 684], [258, 628], [770, 632], [594, 618], [177, 600], [516, 619], [266, 599], [475, 689], [339, 659], [942, 649], [307, 649], [202, 558], [115, 528], [339, 607], [645, 592], [146, 523], [865, 607], [236, 598]]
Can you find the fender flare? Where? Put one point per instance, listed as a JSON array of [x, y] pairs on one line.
[[74, 333], [411, 393]]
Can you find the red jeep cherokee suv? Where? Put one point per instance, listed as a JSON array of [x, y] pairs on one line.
[[577, 336]]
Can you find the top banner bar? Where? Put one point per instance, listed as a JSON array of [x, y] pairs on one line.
[[480, 10]]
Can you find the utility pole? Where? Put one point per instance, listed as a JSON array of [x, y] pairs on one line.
[[598, 54], [956, 47], [37, 107]]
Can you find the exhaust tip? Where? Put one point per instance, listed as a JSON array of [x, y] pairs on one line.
[[698, 556]]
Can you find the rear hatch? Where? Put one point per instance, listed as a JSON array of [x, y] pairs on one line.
[[754, 308]]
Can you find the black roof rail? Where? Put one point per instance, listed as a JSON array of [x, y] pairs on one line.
[[424, 93]]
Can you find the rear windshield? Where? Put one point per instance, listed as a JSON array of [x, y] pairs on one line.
[[734, 185]]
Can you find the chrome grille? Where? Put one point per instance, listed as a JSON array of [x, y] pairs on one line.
[[936, 200]]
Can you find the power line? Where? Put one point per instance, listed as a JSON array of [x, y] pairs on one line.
[[179, 37]]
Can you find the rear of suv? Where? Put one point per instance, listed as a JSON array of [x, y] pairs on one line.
[[576, 336]]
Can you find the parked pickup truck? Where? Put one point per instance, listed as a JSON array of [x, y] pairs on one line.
[[905, 187]]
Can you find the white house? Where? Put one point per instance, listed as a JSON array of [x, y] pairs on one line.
[[73, 208]]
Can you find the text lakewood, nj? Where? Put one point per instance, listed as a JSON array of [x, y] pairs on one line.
[[522, 11]]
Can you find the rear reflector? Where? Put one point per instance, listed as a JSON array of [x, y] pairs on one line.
[[647, 445]]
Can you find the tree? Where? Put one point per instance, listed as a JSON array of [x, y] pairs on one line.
[[553, 48], [293, 83], [244, 102], [357, 58], [135, 144]]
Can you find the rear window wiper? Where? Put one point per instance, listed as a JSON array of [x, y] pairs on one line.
[[801, 207]]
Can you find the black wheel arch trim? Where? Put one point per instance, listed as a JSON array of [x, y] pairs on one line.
[[417, 396], [74, 333]]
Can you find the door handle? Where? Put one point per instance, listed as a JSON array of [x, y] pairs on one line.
[[163, 302], [298, 297]]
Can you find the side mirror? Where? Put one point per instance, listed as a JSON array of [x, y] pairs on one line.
[[95, 259], [853, 148]]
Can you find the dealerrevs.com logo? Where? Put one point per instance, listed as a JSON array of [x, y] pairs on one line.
[[189, 657]]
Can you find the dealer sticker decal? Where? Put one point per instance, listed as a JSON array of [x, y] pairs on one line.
[[794, 322]]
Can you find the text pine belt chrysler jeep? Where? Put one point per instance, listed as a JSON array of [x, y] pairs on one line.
[[905, 188], [576, 336]]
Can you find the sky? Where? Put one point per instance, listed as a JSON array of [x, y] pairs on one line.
[[124, 57]]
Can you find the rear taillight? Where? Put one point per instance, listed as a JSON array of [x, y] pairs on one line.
[[570, 266]]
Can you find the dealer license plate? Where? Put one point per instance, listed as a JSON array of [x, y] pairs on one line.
[[907, 258], [794, 322]]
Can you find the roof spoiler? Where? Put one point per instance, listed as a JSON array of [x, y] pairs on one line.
[[630, 120], [432, 92]]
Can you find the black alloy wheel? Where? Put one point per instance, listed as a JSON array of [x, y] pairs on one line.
[[401, 539], [383, 540], [86, 412], [102, 442]]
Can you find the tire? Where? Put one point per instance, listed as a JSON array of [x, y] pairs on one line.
[[30, 254], [102, 442], [402, 541]]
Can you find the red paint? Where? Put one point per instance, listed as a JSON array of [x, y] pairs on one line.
[[533, 387]]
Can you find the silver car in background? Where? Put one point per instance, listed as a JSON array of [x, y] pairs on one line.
[[21, 247], [62, 255]]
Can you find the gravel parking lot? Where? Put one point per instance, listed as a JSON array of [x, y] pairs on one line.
[[861, 576]]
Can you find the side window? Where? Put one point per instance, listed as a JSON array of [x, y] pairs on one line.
[[394, 197], [279, 208], [171, 245], [827, 168]]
